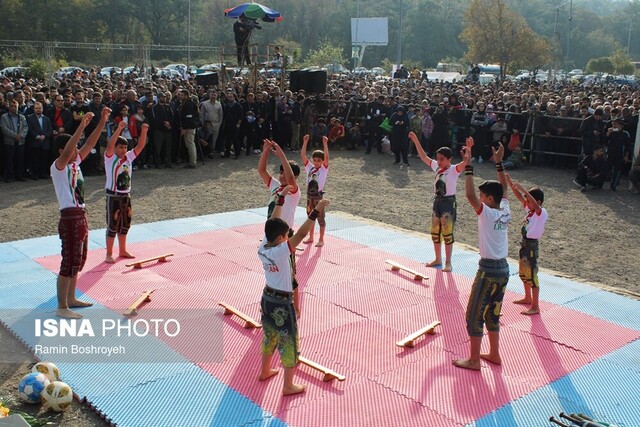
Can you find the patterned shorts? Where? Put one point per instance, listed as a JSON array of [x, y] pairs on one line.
[[280, 329], [73, 230]]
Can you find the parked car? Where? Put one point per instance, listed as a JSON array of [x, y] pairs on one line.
[[210, 67], [65, 71], [335, 69], [14, 71], [575, 72], [107, 71], [377, 71], [361, 71], [169, 73]]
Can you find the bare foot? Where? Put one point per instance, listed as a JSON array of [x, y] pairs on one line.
[[272, 372], [522, 301], [491, 358], [78, 303], [319, 244], [68, 314], [434, 263], [126, 254], [531, 311], [294, 389], [109, 259], [308, 240], [447, 267], [466, 364]]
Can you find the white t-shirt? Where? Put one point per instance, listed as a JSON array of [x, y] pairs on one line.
[[69, 184], [119, 171], [291, 201], [493, 225], [446, 180], [316, 177], [276, 262], [535, 223]]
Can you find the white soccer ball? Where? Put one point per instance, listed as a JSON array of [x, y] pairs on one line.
[[31, 385], [49, 369], [57, 396]]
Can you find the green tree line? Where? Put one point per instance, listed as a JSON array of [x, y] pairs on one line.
[[431, 29]]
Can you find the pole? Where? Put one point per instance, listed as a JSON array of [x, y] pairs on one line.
[[400, 37], [629, 39], [569, 34], [189, 37]]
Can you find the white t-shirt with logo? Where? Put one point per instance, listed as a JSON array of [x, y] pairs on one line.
[[493, 224], [291, 201], [446, 180], [276, 261], [319, 175], [118, 171], [535, 223], [69, 184]]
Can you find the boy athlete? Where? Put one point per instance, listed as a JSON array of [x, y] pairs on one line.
[[317, 171], [532, 230], [487, 292], [279, 317], [444, 212]]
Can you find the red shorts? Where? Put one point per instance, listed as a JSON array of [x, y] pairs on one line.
[[73, 230]]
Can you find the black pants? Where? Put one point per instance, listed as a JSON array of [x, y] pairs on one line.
[[231, 138], [243, 52], [13, 161]]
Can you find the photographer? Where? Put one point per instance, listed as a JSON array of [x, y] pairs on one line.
[[242, 30]]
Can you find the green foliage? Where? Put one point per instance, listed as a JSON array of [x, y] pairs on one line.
[[326, 53], [622, 63], [600, 65], [431, 29], [37, 69]]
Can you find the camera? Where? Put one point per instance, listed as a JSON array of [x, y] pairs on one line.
[[251, 24]]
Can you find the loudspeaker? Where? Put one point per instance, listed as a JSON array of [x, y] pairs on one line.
[[207, 79], [295, 80], [315, 81]]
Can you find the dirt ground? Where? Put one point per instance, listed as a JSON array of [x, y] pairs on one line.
[[590, 236]]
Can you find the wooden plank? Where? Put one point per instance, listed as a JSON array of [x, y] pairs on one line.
[[395, 266], [408, 341], [159, 258], [328, 373], [133, 308], [249, 323]]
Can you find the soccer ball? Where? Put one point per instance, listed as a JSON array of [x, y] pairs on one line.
[[49, 369], [57, 396], [31, 385]]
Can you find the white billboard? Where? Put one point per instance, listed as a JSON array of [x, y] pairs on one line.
[[370, 31]]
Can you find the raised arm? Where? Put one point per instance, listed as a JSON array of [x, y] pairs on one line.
[[463, 164], [112, 141], [469, 188], [303, 150], [286, 168], [325, 147], [70, 147], [262, 163], [277, 211], [95, 135], [142, 139], [497, 156], [426, 159], [515, 187], [304, 229]]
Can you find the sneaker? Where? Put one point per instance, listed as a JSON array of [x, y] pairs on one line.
[[405, 165], [577, 184], [583, 188], [480, 160], [257, 151], [473, 160], [145, 167], [135, 168]]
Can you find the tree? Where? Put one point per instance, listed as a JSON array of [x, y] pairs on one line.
[[495, 34], [600, 65], [325, 54], [622, 62]]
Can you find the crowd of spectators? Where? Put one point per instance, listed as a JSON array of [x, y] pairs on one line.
[[553, 124]]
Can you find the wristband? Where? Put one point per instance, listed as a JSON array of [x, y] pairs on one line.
[[280, 200], [468, 170], [313, 215], [499, 167]]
